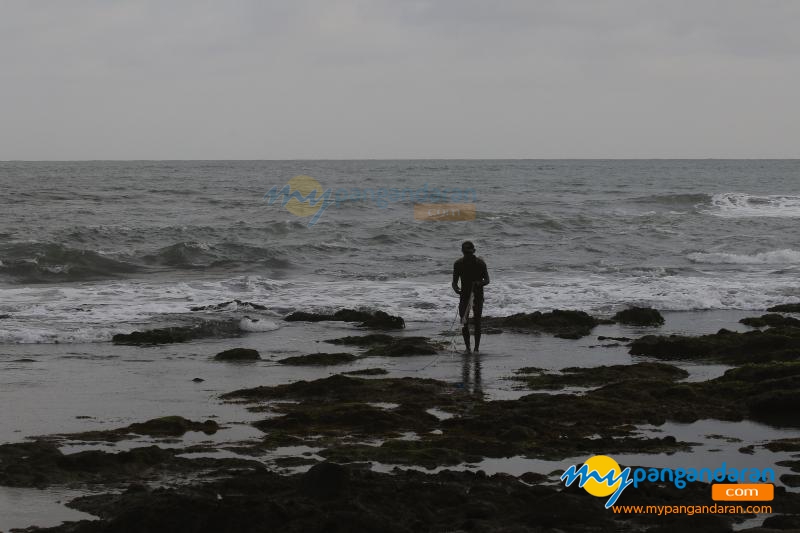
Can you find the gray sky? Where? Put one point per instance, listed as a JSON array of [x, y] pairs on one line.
[[256, 79]]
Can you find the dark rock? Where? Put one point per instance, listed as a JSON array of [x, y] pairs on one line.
[[41, 464], [784, 445], [774, 344], [373, 339], [367, 372], [347, 498], [198, 380], [791, 480], [533, 478], [167, 426], [564, 324], [620, 339], [771, 320], [785, 308], [319, 359], [389, 345], [4, 316], [351, 315], [172, 426], [179, 333], [340, 388], [223, 305], [402, 346], [585, 377], [325, 481], [367, 319], [784, 522], [289, 462], [639, 316], [381, 320], [238, 354]]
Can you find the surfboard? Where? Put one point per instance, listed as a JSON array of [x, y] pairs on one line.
[[468, 310]]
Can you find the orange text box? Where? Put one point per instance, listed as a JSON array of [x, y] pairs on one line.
[[444, 212], [742, 492]]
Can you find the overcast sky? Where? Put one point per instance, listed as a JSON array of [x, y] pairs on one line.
[[265, 79]]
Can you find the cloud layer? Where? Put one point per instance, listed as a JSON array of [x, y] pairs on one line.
[[398, 79]]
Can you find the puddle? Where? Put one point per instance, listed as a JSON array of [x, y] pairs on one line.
[[22, 508], [438, 413], [384, 405]]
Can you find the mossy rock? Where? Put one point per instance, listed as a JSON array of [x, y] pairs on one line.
[[785, 308], [770, 320], [209, 329], [639, 316], [774, 344], [367, 319], [238, 354], [566, 324], [390, 345], [172, 426], [319, 359], [586, 377], [367, 372]]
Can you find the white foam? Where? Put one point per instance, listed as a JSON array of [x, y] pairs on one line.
[[740, 205], [95, 312], [774, 257], [257, 324]]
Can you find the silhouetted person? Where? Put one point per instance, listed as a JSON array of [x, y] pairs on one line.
[[472, 273]]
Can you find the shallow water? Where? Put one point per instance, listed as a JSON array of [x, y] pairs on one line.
[[60, 388], [21, 508]]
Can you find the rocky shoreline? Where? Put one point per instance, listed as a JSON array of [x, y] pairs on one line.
[[349, 421]]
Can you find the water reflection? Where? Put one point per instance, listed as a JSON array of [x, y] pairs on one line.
[[471, 379]]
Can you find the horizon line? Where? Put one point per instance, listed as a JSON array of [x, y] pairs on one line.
[[417, 159]]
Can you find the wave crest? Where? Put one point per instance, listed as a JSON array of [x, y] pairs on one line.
[[742, 205], [774, 257], [48, 262]]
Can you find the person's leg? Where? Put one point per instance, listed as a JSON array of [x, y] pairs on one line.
[[462, 308], [477, 311]]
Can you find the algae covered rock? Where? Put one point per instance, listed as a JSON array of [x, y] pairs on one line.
[[172, 426], [774, 344], [565, 324], [238, 354], [785, 308], [208, 329], [319, 359], [389, 345], [367, 319], [639, 316], [770, 320]]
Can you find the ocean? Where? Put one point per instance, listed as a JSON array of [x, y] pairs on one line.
[[90, 249]]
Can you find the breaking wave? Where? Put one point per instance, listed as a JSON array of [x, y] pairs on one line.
[[774, 257], [741, 205]]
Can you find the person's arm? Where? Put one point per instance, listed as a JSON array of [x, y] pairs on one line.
[[456, 275], [484, 275]]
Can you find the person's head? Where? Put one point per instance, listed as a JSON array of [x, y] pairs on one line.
[[467, 248]]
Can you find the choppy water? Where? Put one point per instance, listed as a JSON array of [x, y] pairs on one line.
[[88, 249]]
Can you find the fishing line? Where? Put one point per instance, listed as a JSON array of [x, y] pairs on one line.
[[453, 334]]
